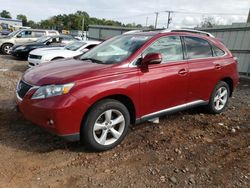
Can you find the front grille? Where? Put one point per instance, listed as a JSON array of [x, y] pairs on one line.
[[31, 56], [31, 64], [22, 88]]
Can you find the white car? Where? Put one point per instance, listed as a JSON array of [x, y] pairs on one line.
[[43, 55]]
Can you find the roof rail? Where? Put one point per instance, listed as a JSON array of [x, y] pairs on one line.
[[132, 31], [189, 31]]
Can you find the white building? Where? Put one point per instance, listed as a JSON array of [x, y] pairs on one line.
[[6, 23]]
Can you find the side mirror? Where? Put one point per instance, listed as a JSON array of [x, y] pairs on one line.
[[153, 58], [19, 36]]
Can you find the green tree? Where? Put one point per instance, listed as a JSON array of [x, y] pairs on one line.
[[5, 14], [208, 22], [32, 24], [23, 18]]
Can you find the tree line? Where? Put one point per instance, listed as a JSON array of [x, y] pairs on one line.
[[67, 21]]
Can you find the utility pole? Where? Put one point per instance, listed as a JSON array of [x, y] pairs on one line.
[[147, 21], [82, 27], [248, 19], [156, 19], [169, 18]]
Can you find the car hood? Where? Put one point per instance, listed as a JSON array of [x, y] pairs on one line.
[[30, 45], [63, 71], [4, 37], [50, 51]]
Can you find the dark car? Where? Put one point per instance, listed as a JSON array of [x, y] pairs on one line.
[[126, 80], [5, 32], [22, 51]]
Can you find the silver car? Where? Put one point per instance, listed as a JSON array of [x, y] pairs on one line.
[[23, 36]]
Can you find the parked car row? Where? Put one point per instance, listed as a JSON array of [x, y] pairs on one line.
[[21, 37], [22, 50], [125, 80], [50, 46], [74, 49]]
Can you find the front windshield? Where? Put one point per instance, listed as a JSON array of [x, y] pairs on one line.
[[13, 33], [43, 39], [116, 49], [74, 45]]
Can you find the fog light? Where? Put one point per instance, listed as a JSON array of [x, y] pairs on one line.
[[50, 122]]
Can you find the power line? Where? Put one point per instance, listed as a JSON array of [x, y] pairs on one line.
[[210, 13], [181, 12]]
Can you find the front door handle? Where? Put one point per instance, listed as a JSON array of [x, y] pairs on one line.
[[217, 66], [183, 72]]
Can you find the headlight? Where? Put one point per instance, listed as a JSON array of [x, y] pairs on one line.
[[20, 48], [52, 90]]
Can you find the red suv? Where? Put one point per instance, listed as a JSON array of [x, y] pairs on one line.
[[126, 80]]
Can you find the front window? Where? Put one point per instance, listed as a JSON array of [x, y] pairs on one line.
[[13, 33], [116, 49], [74, 46], [25, 34], [169, 47]]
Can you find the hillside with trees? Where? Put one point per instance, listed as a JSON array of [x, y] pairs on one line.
[[71, 21]]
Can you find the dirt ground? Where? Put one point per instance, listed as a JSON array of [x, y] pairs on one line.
[[187, 149]]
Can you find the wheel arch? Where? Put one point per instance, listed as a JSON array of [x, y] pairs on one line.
[[229, 82], [124, 99], [58, 57], [6, 43]]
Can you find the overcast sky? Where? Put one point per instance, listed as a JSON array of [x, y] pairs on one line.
[[129, 11]]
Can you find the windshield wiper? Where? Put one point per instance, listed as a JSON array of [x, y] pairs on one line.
[[93, 60]]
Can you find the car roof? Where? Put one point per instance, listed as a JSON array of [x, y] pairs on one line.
[[91, 41], [66, 36], [37, 30]]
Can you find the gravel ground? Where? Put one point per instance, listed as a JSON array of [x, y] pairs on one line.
[[187, 149]]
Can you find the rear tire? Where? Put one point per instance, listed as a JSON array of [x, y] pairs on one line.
[[6, 49], [105, 126], [219, 98]]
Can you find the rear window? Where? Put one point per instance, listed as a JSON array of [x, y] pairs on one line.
[[197, 48], [38, 34], [52, 32]]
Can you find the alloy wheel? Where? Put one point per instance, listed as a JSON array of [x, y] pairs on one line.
[[7, 49], [220, 98], [109, 127]]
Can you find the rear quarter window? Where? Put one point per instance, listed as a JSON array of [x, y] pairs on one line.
[[38, 34], [197, 48], [218, 52]]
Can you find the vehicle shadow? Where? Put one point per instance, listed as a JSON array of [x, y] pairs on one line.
[[10, 57], [18, 133]]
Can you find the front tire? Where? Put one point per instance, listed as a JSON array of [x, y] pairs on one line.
[[6, 49], [219, 98], [105, 126]]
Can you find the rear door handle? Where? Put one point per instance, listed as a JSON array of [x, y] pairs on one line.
[[217, 66], [183, 72]]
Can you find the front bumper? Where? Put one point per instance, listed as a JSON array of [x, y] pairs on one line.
[[61, 115], [19, 53], [34, 62]]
